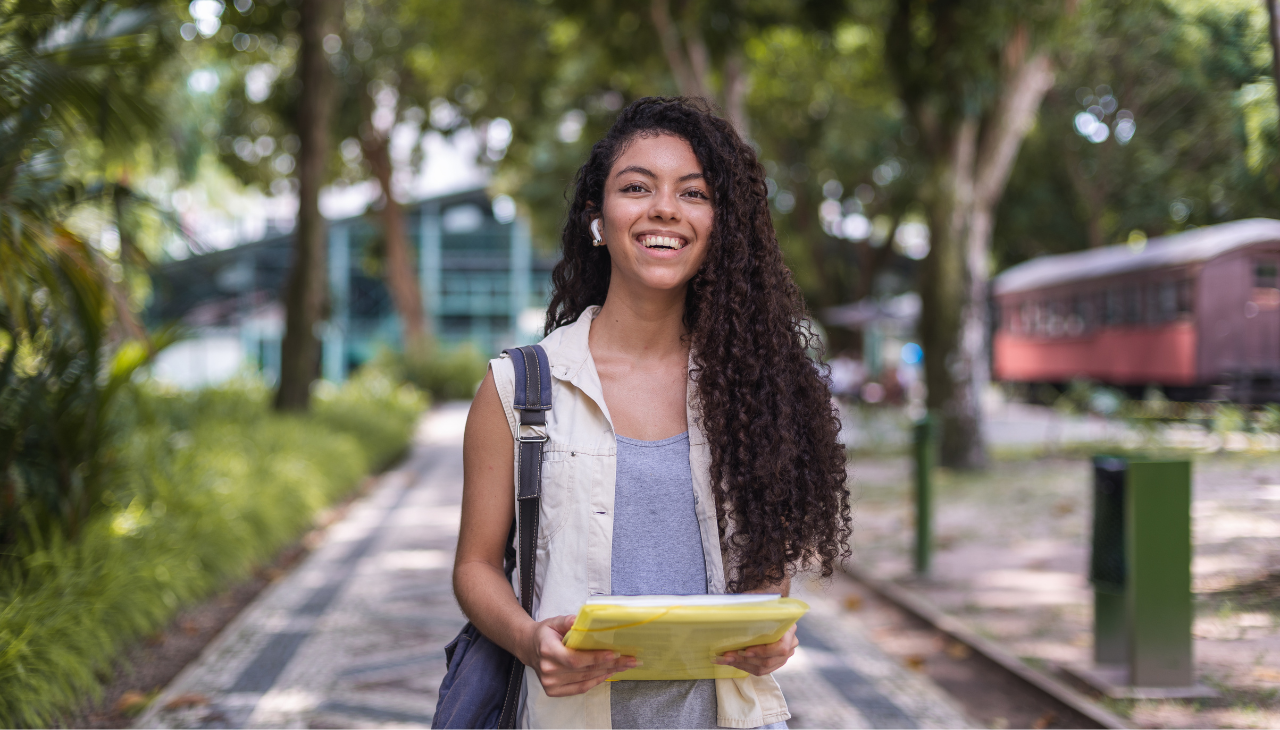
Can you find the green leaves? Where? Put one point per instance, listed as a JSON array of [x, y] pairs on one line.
[[206, 486]]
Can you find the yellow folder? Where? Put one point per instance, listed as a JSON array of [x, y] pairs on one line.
[[676, 637]]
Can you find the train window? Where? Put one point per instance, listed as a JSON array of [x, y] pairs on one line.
[[1055, 319], [1076, 323], [1185, 296], [1132, 305], [1168, 301], [1115, 311], [1264, 275]]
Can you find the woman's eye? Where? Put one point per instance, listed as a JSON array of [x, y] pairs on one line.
[[633, 189], [697, 194]]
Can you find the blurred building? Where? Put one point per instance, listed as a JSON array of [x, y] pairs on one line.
[[1196, 313], [481, 280]]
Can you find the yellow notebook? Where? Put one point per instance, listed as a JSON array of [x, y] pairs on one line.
[[676, 637]]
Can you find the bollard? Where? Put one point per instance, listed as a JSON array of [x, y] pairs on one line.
[[923, 432], [1158, 561], [1140, 568], [1107, 563]]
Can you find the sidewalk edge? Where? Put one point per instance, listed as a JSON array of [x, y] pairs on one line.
[[923, 609]]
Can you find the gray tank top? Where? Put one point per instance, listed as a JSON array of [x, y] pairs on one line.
[[657, 549]]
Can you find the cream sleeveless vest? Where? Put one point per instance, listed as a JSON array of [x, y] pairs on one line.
[[575, 531]]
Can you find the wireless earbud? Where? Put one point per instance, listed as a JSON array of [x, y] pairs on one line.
[[596, 237]]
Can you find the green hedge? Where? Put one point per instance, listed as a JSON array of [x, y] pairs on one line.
[[205, 487]]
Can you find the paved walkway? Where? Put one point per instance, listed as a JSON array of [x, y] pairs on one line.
[[354, 636]]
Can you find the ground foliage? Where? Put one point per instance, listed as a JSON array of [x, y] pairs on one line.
[[207, 485]]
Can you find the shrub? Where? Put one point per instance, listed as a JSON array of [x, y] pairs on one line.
[[211, 484], [447, 373]]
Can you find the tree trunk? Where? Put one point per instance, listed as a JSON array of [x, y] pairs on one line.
[[691, 66], [872, 259], [307, 293], [1092, 194], [956, 276], [944, 293], [401, 279]]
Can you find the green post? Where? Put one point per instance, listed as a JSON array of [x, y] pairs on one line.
[[923, 432], [1158, 558]]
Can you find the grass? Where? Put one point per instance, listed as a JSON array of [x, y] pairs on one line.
[[205, 486]]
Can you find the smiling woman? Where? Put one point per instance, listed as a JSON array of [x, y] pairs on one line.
[[691, 447]]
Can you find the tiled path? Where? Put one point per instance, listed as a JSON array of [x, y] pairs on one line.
[[354, 637]]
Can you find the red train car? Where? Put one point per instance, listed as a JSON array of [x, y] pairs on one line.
[[1196, 312]]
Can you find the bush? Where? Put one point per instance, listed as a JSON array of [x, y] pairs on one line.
[[211, 484], [447, 373]]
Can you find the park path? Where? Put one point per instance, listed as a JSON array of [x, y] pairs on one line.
[[354, 636]]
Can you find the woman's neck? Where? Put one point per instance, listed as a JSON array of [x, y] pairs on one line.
[[639, 325]]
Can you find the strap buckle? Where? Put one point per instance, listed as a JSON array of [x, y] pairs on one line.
[[538, 434]]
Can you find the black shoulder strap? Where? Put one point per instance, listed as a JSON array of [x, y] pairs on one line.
[[532, 400]]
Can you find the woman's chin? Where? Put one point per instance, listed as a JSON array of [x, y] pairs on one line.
[[663, 281]]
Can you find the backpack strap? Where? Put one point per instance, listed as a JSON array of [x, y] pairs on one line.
[[532, 400]]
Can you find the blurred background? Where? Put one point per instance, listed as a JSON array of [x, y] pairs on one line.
[[244, 243]]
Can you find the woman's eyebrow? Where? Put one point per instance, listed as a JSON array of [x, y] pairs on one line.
[[647, 171], [635, 168]]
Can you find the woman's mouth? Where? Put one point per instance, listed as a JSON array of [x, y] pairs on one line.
[[668, 243]]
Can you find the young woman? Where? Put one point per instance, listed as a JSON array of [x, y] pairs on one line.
[[692, 440]]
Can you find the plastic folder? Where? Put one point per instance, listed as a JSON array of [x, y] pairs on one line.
[[676, 637]]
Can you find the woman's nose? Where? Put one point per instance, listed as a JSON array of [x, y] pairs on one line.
[[665, 207]]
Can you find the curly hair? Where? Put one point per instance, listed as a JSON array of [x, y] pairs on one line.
[[777, 468]]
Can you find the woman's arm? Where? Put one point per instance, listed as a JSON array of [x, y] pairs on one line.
[[478, 578], [765, 658]]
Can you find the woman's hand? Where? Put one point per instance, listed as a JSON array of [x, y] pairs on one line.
[[762, 659], [564, 671]]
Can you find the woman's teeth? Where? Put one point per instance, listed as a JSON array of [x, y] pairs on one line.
[[675, 244]]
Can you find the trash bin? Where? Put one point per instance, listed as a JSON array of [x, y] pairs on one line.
[[1107, 569]]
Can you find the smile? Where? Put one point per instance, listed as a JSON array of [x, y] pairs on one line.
[[669, 243]]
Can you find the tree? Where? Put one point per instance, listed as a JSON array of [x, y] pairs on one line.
[[1163, 117], [65, 69], [305, 298], [971, 76]]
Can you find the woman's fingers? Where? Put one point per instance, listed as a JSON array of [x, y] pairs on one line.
[[762, 658], [564, 671], [577, 687]]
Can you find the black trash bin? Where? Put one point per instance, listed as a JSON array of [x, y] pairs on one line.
[[1107, 568]]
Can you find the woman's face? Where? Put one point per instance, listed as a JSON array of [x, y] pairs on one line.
[[657, 213]]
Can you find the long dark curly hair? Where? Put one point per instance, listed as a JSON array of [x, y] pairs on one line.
[[777, 469]]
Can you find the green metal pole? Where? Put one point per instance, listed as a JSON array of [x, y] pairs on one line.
[[1158, 557], [923, 432]]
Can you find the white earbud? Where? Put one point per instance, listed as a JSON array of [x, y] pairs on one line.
[[596, 238]]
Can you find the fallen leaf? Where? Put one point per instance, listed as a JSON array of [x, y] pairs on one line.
[[131, 702], [852, 603], [956, 650], [915, 663], [1044, 721], [189, 699], [1266, 674]]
